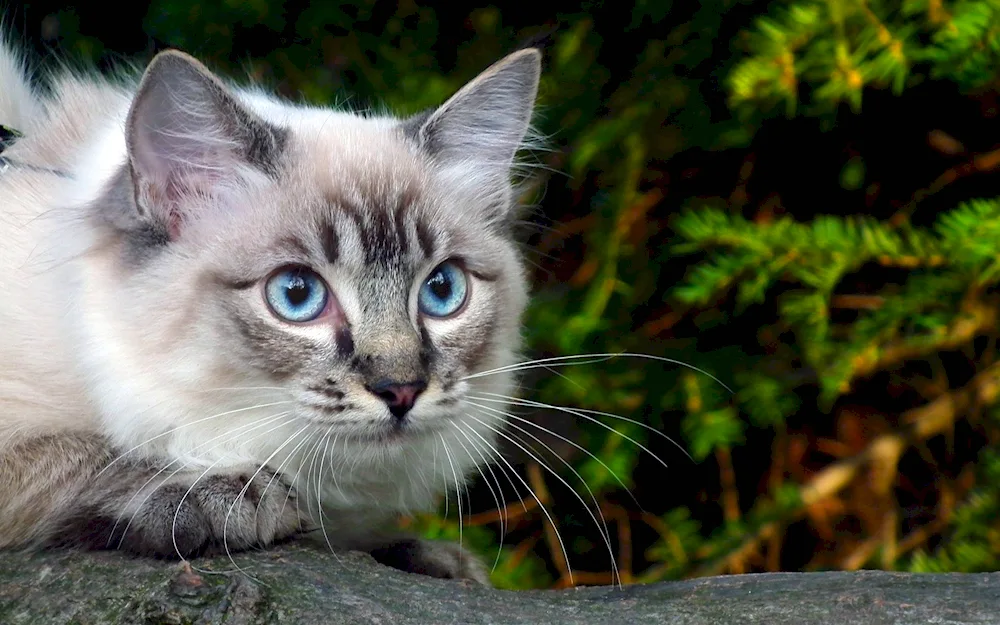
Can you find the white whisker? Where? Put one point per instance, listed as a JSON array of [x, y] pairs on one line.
[[319, 490], [173, 526], [228, 436], [184, 425], [245, 388], [513, 471], [180, 504], [583, 359], [295, 480], [602, 523], [586, 414], [277, 475], [458, 486], [243, 491], [556, 435], [500, 508], [313, 455]]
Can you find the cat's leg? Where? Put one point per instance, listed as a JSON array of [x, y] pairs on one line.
[[433, 557], [65, 490]]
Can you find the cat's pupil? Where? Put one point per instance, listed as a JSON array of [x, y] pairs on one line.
[[440, 286], [297, 291]]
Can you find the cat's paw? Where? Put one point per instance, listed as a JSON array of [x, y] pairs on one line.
[[435, 558], [220, 512]]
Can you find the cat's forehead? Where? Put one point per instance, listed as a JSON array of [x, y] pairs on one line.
[[357, 161], [366, 183], [355, 192]]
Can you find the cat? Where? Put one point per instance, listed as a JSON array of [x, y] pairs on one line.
[[228, 319]]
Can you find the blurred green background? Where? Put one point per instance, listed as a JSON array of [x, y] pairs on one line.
[[796, 197]]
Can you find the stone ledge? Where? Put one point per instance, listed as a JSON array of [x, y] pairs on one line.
[[299, 584]]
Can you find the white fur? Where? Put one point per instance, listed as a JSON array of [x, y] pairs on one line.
[[19, 107]]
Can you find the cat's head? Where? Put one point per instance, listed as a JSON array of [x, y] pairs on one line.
[[349, 272]]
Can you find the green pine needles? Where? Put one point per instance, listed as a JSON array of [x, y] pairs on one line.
[[949, 263], [821, 53]]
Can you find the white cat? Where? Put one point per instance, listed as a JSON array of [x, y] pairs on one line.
[[226, 319]]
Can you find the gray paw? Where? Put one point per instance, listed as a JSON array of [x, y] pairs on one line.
[[219, 513], [435, 558]]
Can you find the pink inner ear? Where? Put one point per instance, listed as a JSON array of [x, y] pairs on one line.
[[169, 184], [185, 139]]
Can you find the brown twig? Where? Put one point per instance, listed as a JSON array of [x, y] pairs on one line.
[[603, 578], [727, 478], [661, 324], [521, 551], [861, 554], [560, 560], [512, 512], [857, 302], [977, 319], [623, 523], [924, 422], [979, 163]]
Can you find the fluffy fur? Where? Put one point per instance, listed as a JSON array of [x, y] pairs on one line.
[[149, 397]]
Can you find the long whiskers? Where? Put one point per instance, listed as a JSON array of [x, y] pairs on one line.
[[576, 445], [583, 359], [319, 489], [496, 499], [599, 523], [243, 491], [562, 545], [180, 504], [276, 475], [185, 425], [458, 486], [587, 414]]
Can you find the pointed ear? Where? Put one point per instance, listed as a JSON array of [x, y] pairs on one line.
[[187, 135], [486, 121]]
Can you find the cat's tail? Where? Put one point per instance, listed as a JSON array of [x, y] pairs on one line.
[[19, 105]]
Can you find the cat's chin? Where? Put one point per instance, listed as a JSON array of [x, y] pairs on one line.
[[393, 436]]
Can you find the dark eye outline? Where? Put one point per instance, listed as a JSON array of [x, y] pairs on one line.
[[328, 299], [457, 263]]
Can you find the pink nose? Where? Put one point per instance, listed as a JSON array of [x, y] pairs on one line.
[[398, 397]]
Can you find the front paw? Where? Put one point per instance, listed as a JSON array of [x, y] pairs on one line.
[[220, 512], [433, 557]]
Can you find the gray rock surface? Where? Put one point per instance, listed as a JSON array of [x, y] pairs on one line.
[[300, 584]]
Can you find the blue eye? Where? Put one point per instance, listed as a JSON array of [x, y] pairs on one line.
[[296, 294], [444, 292]]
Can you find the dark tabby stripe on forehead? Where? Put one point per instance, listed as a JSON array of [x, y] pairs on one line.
[[383, 228], [295, 246], [399, 219], [330, 242], [381, 245], [425, 238]]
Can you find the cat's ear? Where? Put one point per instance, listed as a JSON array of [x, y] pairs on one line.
[[187, 135], [485, 123]]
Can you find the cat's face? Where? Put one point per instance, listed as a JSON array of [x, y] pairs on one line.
[[366, 285], [352, 272]]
